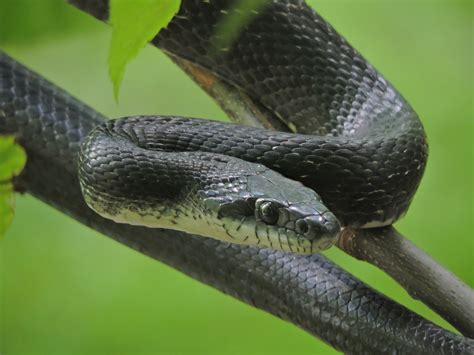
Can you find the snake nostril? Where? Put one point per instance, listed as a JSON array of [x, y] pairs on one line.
[[317, 227], [314, 225], [332, 227]]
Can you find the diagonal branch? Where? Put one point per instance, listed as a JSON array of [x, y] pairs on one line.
[[419, 274]]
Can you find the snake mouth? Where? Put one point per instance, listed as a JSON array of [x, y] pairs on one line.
[[328, 236], [309, 226], [251, 231], [298, 227]]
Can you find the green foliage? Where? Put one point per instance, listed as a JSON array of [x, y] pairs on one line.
[[12, 161], [135, 23]]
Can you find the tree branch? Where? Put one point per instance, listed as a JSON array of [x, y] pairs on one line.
[[421, 276], [235, 103]]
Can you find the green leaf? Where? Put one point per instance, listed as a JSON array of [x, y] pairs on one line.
[[12, 158], [135, 23], [12, 161]]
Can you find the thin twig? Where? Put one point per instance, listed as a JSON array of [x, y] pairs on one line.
[[421, 276]]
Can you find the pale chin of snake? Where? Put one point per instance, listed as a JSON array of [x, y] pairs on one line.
[[231, 231], [244, 231]]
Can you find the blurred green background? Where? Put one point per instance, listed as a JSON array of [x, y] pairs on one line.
[[67, 290]]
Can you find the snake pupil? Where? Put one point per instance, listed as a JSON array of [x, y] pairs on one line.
[[269, 213], [301, 226]]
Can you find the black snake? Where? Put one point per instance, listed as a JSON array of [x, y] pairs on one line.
[[365, 156]]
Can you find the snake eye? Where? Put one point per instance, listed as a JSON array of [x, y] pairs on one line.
[[268, 212], [301, 226]]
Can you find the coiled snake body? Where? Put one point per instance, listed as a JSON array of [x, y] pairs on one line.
[[365, 156]]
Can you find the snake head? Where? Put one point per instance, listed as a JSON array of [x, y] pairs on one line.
[[284, 219], [307, 222]]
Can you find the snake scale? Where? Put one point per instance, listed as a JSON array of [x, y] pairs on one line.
[[52, 126]]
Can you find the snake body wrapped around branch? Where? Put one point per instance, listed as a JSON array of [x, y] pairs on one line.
[[365, 157]]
